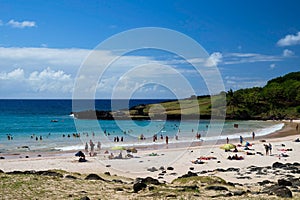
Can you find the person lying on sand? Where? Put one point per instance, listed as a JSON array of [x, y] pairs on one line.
[[207, 158], [235, 157], [198, 161]]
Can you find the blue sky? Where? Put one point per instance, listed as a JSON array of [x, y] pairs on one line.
[[43, 43]]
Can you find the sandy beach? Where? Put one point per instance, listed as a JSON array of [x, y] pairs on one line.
[[151, 162]]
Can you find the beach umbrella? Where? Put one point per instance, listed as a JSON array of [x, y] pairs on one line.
[[80, 154], [118, 148], [228, 146]]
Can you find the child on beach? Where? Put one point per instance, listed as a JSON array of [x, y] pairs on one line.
[[86, 148], [99, 145]]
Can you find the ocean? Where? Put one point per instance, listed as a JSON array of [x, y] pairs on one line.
[[46, 125]]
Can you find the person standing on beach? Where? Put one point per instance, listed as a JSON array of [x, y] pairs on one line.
[[267, 149], [297, 128], [241, 139], [167, 140], [253, 135], [99, 145], [270, 148], [86, 148], [227, 140]]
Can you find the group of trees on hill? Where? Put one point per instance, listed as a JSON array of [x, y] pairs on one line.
[[280, 98]]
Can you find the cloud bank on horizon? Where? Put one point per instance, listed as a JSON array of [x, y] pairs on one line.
[[41, 52]]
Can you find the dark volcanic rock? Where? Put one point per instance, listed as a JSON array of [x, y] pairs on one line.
[[278, 165], [152, 169], [189, 174], [139, 186], [49, 173], [220, 170], [107, 173], [296, 164], [171, 196], [265, 182], [295, 171], [231, 169], [238, 193], [213, 187], [231, 184], [15, 172], [2, 158], [117, 181], [295, 181], [283, 182], [283, 192], [93, 177], [70, 177], [85, 198], [150, 180], [203, 172], [1, 171], [254, 168], [170, 168], [280, 191], [42, 173]]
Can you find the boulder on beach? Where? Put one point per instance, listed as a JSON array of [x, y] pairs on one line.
[[93, 177], [139, 186], [280, 191], [152, 169]]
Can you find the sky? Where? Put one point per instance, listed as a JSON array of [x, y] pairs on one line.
[[43, 45]]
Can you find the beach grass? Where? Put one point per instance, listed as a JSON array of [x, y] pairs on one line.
[[32, 186]]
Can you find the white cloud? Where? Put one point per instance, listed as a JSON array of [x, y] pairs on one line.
[[47, 80], [37, 58], [289, 40], [238, 58], [23, 24], [235, 83], [50, 80], [41, 69], [214, 59], [17, 74], [272, 66], [287, 53]]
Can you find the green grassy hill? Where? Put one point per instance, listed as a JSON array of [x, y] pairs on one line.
[[279, 99]]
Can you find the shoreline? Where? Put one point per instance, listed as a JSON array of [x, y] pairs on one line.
[[173, 144], [177, 157]]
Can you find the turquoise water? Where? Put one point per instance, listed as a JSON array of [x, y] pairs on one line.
[[24, 122]]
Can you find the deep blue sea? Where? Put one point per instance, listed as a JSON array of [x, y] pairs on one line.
[[30, 123]]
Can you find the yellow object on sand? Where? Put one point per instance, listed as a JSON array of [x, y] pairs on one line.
[[118, 148], [228, 146]]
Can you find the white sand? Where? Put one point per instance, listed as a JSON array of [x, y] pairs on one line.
[[179, 159]]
